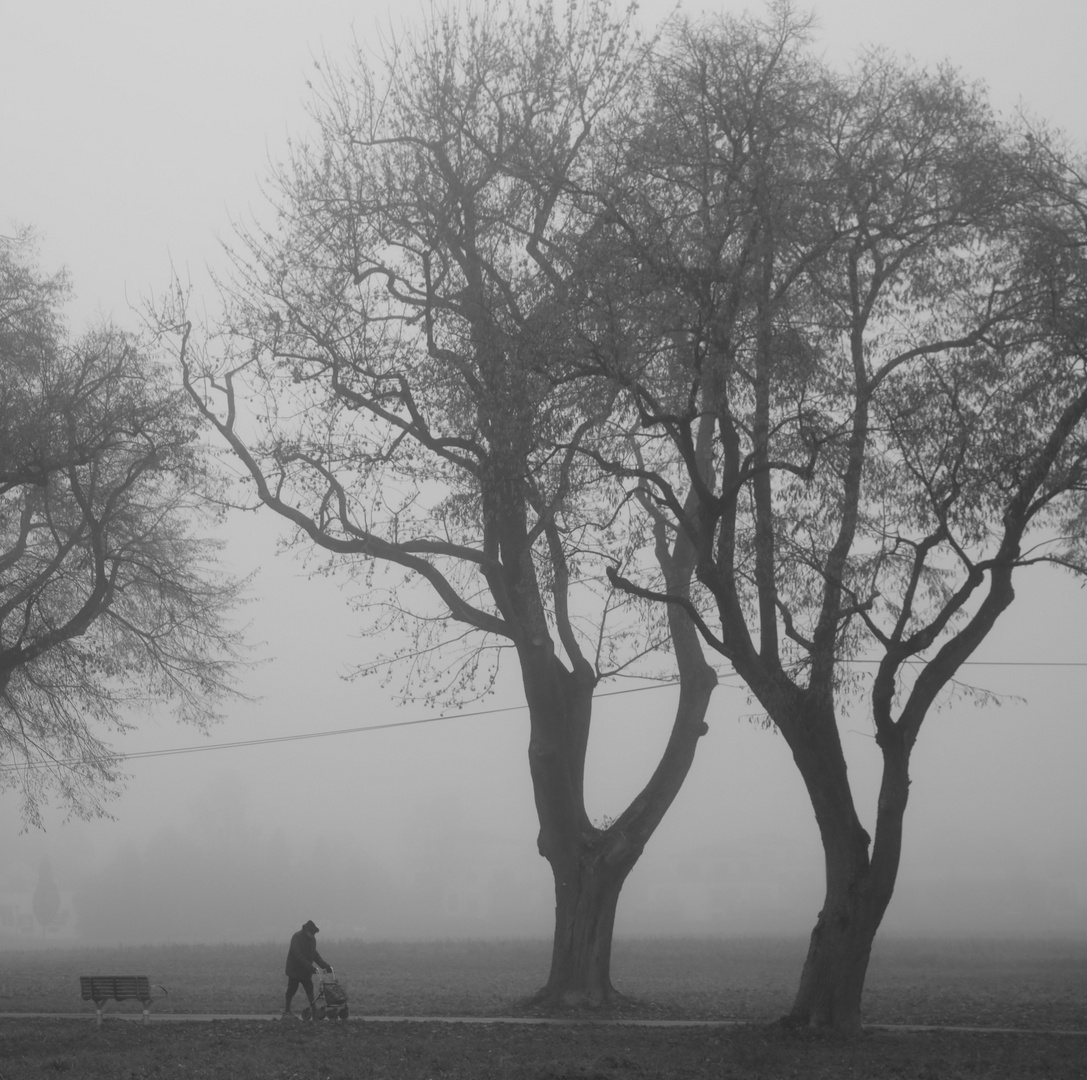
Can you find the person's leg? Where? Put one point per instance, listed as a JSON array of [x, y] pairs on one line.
[[292, 988]]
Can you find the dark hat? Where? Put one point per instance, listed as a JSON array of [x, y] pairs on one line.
[[311, 926]]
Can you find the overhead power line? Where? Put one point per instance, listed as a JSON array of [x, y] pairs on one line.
[[299, 737], [362, 729]]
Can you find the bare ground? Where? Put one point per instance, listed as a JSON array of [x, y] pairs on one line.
[[247, 1050], [991, 984]]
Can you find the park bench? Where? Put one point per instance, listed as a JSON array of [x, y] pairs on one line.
[[103, 988]]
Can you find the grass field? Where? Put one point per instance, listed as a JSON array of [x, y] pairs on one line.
[[1037, 986]]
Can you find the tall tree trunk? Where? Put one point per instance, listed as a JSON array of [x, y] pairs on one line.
[[587, 887], [589, 864], [858, 889], [832, 980]]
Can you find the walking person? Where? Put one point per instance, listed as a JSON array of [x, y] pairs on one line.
[[301, 958]]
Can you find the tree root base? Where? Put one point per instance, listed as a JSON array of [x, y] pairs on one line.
[[800, 1026], [617, 1006]]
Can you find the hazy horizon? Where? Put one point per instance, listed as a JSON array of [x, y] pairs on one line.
[[427, 831]]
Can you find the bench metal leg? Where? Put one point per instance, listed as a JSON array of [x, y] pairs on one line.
[[98, 1011]]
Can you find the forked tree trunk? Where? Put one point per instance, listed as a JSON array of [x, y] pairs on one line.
[[858, 889], [589, 864], [587, 887]]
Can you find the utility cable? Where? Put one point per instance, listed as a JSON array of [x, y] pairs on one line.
[[298, 737], [337, 732]]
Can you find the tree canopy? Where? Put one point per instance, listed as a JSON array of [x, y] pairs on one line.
[[850, 311], [402, 372], [619, 344], [108, 600]]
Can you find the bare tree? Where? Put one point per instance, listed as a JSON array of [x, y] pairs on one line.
[[866, 295], [403, 374], [108, 602]]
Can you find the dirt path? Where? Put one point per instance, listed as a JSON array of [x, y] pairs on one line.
[[531, 1021]]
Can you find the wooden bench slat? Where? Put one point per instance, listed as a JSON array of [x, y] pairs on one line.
[[103, 988], [115, 987]]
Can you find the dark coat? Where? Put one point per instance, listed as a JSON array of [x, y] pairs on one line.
[[303, 955]]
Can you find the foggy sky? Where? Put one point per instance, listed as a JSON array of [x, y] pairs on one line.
[[132, 133]]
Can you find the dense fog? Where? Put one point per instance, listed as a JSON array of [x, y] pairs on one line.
[[429, 830]]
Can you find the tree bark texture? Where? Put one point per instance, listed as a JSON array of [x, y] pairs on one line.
[[587, 887], [590, 864], [832, 979], [859, 882]]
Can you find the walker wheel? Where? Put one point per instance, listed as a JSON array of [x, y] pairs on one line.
[[343, 1013]]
